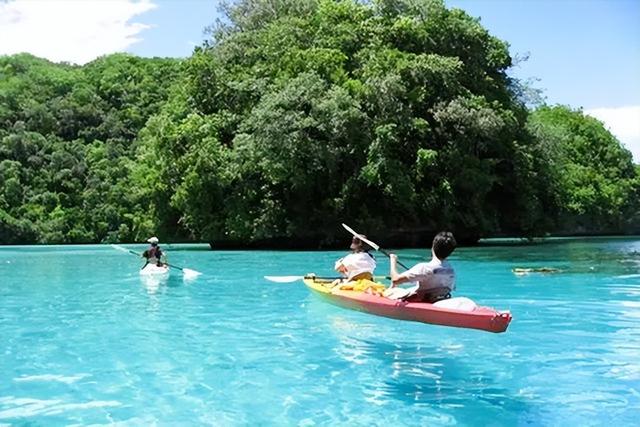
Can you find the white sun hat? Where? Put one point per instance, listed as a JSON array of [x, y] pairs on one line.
[[153, 240]]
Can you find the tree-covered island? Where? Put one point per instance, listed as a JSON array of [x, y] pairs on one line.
[[398, 117]]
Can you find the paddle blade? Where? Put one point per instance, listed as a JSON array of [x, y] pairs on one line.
[[359, 236], [284, 279], [190, 274]]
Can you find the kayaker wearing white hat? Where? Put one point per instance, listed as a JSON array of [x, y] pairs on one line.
[[359, 264], [153, 254]]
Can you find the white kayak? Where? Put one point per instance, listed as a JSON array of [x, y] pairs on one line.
[[155, 271]]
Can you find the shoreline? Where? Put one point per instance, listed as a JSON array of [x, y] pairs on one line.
[[385, 243]]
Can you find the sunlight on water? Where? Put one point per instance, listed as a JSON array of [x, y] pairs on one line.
[[86, 341]]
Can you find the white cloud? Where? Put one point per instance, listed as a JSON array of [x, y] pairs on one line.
[[624, 123], [67, 30]]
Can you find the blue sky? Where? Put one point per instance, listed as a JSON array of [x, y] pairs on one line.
[[585, 53], [177, 27]]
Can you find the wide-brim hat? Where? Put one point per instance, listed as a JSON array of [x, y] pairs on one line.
[[153, 240]]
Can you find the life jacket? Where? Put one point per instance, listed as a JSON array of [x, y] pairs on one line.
[[153, 254]]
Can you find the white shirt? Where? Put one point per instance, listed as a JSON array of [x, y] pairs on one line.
[[357, 263], [431, 275]]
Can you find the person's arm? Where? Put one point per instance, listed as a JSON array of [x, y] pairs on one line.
[[340, 267], [396, 278]]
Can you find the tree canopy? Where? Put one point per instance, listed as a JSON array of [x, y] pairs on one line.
[[67, 137]]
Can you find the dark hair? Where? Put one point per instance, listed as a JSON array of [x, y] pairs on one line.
[[443, 244], [358, 245]]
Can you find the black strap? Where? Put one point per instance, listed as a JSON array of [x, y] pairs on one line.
[[434, 295]]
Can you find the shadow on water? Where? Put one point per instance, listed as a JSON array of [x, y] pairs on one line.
[[431, 376], [538, 241], [582, 256], [435, 378]]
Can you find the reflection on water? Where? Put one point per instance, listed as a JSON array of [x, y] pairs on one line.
[[152, 283], [434, 377]]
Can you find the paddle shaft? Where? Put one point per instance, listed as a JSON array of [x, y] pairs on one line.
[[137, 254], [291, 279], [372, 244], [397, 260], [341, 277]]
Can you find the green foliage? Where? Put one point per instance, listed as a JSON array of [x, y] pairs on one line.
[[597, 183], [298, 115], [67, 140], [391, 114]]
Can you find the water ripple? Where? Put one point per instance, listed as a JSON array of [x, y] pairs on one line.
[[87, 344]]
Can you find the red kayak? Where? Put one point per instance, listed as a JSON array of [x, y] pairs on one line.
[[365, 295]]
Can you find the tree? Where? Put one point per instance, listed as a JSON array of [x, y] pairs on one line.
[[598, 184]]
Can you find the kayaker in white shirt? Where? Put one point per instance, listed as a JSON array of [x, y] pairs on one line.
[[435, 280], [359, 264]]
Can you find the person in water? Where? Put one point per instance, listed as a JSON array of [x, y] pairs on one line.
[[153, 254], [359, 264], [435, 280]]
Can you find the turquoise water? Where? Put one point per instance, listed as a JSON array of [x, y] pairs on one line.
[[85, 341]]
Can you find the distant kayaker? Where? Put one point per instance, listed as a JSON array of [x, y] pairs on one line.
[[153, 254], [435, 280], [359, 264]]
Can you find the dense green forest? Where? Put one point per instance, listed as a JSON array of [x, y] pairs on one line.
[[398, 117]]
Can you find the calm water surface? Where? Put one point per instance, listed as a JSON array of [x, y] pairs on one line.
[[85, 341]]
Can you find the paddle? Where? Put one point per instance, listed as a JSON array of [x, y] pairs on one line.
[[370, 243], [188, 273], [291, 279]]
